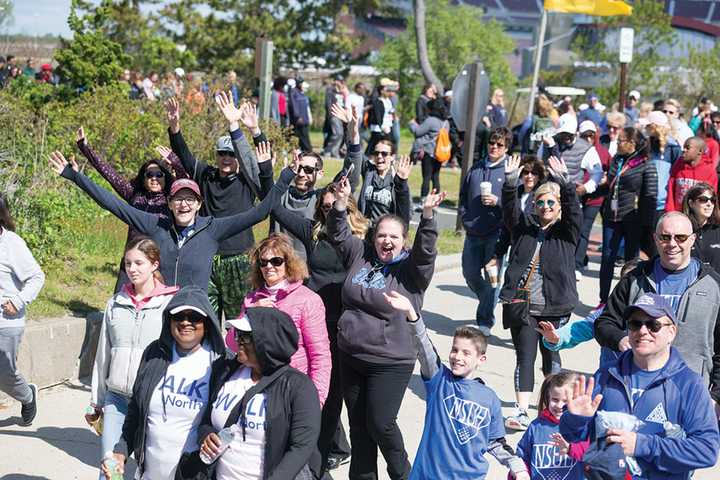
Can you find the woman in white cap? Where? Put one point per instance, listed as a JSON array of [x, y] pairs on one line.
[[187, 240]]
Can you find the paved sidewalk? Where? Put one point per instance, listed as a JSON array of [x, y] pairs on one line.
[[60, 446]]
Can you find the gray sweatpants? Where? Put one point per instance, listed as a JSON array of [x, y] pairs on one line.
[[11, 382]]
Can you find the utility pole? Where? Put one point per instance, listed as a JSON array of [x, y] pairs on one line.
[[263, 71], [626, 53]]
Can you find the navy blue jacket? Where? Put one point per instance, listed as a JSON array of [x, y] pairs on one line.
[[481, 220], [678, 395]]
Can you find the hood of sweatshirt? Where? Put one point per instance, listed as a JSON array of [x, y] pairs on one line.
[[159, 290], [195, 297], [275, 337]]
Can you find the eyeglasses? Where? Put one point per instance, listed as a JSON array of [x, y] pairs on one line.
[[496, 144], [187, 200], [379, 153], [307, 169], [679, 238], [189, 317], [157, 175], [705, 199], [274, 261], [243, 338], [542, 203], [653, 326]]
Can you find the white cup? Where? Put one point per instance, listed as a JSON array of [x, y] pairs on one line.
[[485, 189]]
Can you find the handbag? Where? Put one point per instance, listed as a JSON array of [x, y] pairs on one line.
[[516, 312]]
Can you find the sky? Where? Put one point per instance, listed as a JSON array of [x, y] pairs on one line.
[[38, 17]]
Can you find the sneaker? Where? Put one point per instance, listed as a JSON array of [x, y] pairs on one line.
[[519, 421], [484, 330], [334, 461], [578, 275], [29, 410]]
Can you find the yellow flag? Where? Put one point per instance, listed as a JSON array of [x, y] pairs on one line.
[[600, 8]]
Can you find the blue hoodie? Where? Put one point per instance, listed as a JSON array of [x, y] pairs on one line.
[[480, 220], [663, 164], [677, 395]]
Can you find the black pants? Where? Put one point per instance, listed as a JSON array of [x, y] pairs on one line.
[[526, 341], [430, 171], [332, 439], [589, 214], [647, 239], [303, 134], [373, 393]]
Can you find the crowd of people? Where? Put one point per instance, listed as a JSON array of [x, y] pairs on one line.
[[222, 357], [10, 70]]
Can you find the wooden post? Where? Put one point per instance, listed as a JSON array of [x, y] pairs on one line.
[[471, 122], [263, 69], [623, 80], [538, 60]]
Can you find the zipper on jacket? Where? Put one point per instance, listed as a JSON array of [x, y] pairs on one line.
[[177, 258]]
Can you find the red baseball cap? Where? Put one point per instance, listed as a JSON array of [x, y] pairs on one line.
[[181, 183]]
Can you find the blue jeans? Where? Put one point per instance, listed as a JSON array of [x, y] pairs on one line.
[[114, 413], [613, 234], [477, 252]]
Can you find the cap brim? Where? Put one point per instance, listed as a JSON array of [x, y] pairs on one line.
[[649, 310], [181, 308], [242, 324]]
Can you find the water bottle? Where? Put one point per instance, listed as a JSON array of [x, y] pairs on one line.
[[112, 465], [226, 437]]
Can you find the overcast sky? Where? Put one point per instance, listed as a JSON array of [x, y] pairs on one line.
[[38, 17]]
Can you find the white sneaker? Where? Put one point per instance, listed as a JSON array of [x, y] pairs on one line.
[[578, 275]]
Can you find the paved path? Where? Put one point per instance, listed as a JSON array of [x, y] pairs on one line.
[[59, 445]]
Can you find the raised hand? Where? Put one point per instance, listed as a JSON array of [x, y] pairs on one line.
[[512, 164], [580, 401], [172, 109], [80, 136], [557, 166], [547, 330], [165, 154], [403, 167], [263, 152], [402, 304], [120, 460], [345, 115], [560, 442], [433, 200], [342, 192], [249, 118], [58, 162], [226, 106], [295, 164]]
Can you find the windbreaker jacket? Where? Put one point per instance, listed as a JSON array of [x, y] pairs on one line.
[[154, 364], [191, 263], [426, 134], [292, 419], [683, 177], [698, 337], [125, 333], [637, 189], [307, 312], [707, 245], [482, 220], [677, 396]]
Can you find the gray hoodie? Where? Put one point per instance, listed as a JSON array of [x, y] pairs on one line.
[[21, 278]]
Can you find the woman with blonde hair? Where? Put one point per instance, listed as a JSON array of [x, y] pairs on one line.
[[540, 278]]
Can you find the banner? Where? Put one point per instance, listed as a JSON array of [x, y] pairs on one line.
[[600, 8]]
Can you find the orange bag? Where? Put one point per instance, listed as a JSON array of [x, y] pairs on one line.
[[443, 147]]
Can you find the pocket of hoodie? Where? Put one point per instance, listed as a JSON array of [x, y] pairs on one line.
[[358, 332]]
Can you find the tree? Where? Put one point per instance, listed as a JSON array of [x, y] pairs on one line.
[[422, 51], [703, 70], [653, 29], [456, 35]]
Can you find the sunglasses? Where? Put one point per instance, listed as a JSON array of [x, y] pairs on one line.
[[157, 175], [383, 154], [225, 153], [716, 122], [669, 112], [653, 326], [679, 238], [243, 338], [542, 203], [190, 317], [705, 199], [274, 261], [308, 170], [496, 144]]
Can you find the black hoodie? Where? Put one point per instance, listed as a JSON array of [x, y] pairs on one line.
[[154, 365], [292, 424]]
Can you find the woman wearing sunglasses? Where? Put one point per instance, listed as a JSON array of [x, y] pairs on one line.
[[700, 205], [539, 282], [377, 353], [276, 276], [274, 407], [148, 191], [171, 390], [187, 240]]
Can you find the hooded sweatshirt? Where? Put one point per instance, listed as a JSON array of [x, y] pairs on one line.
[[129, 325], [684, 176], [292, 410], [21, 278], [178, 393], [482, 220], [675, 397]]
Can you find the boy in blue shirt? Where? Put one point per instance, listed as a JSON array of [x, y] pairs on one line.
[[463, 419]]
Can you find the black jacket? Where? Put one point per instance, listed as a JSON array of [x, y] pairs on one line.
[[191, 263], [557, 252], [707, 245], [292, 424], [376, 112], [154, 364], [637, 192]]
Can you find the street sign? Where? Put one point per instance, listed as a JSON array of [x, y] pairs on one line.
[[461, 96], [626, 44]]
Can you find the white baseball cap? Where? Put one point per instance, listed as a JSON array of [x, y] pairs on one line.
[[634, 94], [242, 324], [587, 126], [568, 124]]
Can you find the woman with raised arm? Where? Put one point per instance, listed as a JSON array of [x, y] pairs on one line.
[[148, 191], [187, 241], [377, 354], [539, 283]]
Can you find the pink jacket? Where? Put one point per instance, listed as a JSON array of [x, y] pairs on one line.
[[307, 311]]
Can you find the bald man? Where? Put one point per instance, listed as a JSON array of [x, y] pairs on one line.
[[690, 287]]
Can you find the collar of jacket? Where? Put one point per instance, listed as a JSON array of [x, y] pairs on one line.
[[621, 370], [282, 292]]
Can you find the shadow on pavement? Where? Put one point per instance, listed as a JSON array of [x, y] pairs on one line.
[[462, 290], [22, 476], [441, 324], [79, 443], [417, 386], [500, 342]]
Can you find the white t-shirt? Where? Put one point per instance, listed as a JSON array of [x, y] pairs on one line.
[[184, 389], [243, 460], [387, 120], [358, 102]]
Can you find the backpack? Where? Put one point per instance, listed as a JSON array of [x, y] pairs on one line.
[[443, 147]]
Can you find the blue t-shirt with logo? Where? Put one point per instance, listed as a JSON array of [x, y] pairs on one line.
[[462, 417], [639, 381], [544, 459], [672, 284]]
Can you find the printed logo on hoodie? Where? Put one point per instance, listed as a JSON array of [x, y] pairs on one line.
[[369, 279]]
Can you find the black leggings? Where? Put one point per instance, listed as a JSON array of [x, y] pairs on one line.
[[332, 439], [526, 341], [430, 171], [373, 393]]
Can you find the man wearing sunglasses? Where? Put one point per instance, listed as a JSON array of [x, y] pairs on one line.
[[679, 431], [690, 287], [692, 168]]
